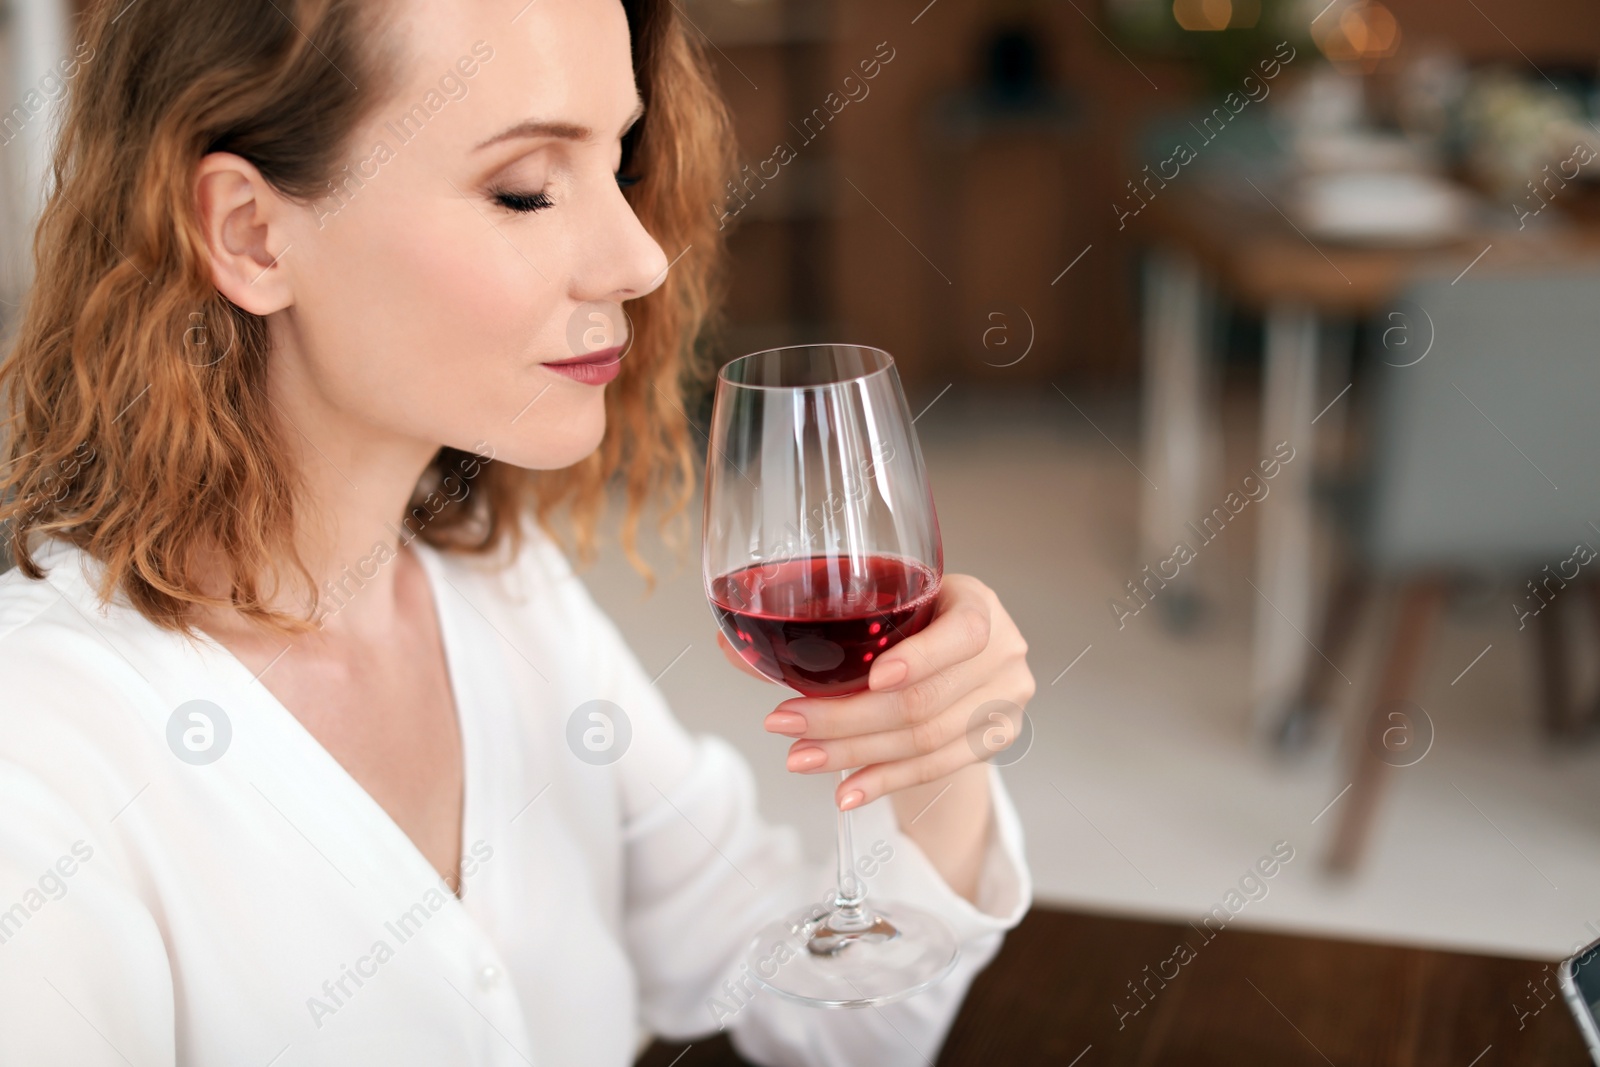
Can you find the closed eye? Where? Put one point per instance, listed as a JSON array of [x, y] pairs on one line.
[[526, 203], [523, 202]]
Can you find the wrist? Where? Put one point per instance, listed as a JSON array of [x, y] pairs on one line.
[[949, 820]]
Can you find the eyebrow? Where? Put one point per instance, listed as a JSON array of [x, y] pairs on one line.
[[565, 131]]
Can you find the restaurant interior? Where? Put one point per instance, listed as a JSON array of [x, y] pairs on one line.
[[1251, 346]]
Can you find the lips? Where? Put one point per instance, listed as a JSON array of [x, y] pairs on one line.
[[597, 368], [603, 356]]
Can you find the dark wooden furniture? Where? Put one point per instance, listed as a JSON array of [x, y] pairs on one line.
[[1053, 996]]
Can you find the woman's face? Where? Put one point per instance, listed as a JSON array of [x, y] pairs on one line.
[[478, 234]]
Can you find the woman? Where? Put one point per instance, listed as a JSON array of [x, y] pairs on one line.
[[291, 651]]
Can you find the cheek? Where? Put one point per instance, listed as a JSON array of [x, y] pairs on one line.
[[427, 300], [436, 328]]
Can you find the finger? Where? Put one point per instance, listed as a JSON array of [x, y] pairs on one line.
[[811, 756], [737, 660], [868, 713], [958, 631], [986, 734], [881, 779]]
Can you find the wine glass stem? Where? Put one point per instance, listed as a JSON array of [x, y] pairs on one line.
[[850, 893]]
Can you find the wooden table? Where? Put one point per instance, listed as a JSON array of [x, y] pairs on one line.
[[1053, 993], [1229, 237]]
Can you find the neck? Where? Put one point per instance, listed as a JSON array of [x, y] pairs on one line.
[[353, 482]]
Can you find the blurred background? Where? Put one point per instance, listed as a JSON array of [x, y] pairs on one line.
[[1129, 255], [1253, 347]]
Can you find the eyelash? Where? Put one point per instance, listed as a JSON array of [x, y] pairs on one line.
[[526, 203], [523, 202]]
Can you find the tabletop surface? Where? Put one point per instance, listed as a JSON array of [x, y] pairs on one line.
[[1061, 991], [1244, 237]]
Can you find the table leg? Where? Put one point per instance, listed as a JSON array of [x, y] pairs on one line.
[[1284, 583], [1180, 443]]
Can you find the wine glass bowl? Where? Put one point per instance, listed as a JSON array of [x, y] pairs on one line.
[[821, 552], [822, 546], [781, 618]]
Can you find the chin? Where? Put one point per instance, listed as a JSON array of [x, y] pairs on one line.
[[556, 444]]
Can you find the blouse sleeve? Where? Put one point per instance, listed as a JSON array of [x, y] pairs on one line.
[[703, 871]]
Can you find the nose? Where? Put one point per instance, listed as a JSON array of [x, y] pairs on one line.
[[619, 259]]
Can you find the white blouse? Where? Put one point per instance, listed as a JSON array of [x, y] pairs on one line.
[[189, 883]]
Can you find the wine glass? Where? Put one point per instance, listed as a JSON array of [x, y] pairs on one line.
[[821, 553]]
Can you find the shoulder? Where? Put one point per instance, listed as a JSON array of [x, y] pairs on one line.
[[77, 676], [55, 629], [23, 600]]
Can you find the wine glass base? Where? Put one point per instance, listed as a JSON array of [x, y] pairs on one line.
[[903, 953]]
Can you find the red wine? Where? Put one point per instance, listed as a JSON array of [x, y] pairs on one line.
[[816, 624]]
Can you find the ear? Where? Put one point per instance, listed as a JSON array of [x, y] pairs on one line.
[[245, 224]]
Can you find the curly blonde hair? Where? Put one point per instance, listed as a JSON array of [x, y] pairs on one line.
[[153, 463]]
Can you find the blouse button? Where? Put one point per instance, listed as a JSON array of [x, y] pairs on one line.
[[489, 976]]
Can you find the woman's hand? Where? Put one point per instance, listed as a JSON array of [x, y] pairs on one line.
[[915, 732], [914, 726]]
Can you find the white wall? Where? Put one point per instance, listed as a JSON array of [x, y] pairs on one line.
[[33, 42]]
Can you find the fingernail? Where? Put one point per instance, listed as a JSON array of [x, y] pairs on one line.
[[851, 799], [786, 722], [889, 674], [804, 759]]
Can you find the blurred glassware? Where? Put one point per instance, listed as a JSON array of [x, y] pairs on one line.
[[1354, 182], [1323, 100], [1431, 83], [1322, 119]]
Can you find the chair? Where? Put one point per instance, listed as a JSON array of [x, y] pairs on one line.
[[1484, 459]]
